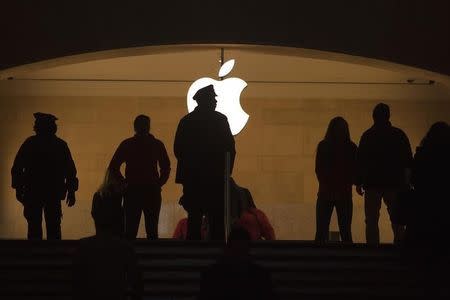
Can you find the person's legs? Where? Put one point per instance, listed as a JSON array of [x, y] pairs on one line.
[[151, 202], [390, 197], [191, 203], [344, 211], [324, 210], [32, 211], [372, 205], [133, 211], [53, 213], [194, 225], [214, 202]]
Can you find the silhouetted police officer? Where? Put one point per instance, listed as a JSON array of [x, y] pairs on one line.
[[202, 140], [43, 174]]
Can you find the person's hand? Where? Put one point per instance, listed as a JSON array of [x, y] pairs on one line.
[[20, 195], [70, 201], [360, 190]]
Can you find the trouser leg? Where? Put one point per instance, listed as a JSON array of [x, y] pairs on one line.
[[344, 212], [215, 205], [53, 213], [194, 224], [33, 214], [133, 211], [390, 197], [324, 210], [152, 207], [372, 205]]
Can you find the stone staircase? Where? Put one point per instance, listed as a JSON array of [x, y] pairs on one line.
[[171, 269]]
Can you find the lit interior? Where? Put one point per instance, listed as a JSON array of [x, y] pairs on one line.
[[291, 95]]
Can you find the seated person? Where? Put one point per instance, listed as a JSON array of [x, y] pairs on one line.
[[180, 232], [249, 217], [104, 266], [235, 275]]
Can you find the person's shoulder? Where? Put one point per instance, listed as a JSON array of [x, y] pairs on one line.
[[219, 116], [30, 140], [158, 142], [60, 141], [322, 144], [127, 141], [398, 131]]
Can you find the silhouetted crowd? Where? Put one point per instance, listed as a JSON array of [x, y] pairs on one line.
[[382, 167]]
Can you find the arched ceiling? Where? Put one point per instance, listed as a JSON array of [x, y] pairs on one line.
[[414, 33]]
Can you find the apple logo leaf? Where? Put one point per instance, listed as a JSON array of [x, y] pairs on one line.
[[226, 68]]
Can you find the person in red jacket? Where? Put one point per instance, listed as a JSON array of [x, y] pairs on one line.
[[248, 216], [142, 154], [180, 232]]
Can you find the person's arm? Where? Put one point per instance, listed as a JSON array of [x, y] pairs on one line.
[[71, 177], [267, 231], [164, 165], [229, 143], [117, 160], [18, 172], [178, 233], [179, 143], [408, 157], [320, 163], [353, 172], [361, 165]]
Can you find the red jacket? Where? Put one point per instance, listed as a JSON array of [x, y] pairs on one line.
[[257, 224], [180, 232], [142, 154]]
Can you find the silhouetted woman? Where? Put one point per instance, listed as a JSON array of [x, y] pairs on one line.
[[335, 170], [112, 190], [429, 219]]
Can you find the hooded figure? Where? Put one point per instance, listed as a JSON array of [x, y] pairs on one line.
[[43, 174]]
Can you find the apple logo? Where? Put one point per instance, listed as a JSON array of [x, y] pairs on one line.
[[228, 93]]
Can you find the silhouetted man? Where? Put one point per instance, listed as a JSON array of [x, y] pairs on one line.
[[235, 275], [202, 140], [142, 154], [383, 162], [43, 174], [104, 266]]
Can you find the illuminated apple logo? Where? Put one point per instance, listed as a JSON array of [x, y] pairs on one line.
[[228, 93]]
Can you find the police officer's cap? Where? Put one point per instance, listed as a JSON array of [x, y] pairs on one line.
[[43, 117], [206, 92]]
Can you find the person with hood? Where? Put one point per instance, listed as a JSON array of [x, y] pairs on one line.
[[202, 141], [384, 160], [428, 220], [335, 170], [43, 174], [142, 154]]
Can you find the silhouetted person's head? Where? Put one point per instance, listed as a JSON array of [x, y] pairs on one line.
[[142, 125], [103, 214], [438, 136], [381, 114], [112, 185], [238, 242], [206, 98], [337, 131], [44, 124]]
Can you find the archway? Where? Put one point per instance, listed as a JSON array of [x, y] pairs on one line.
[[292, 94]]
